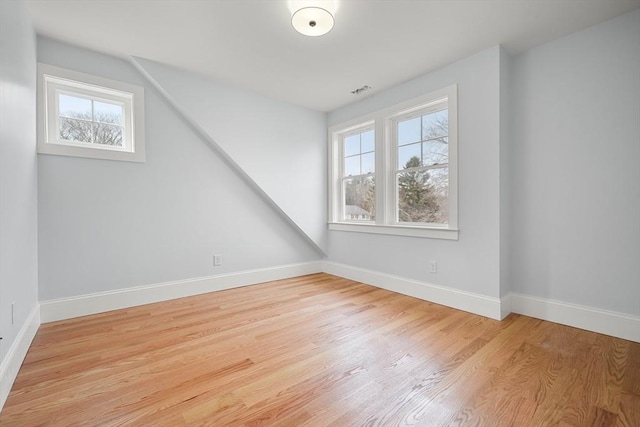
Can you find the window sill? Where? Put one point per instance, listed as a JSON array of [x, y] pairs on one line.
[[396, 230], [90, 152]]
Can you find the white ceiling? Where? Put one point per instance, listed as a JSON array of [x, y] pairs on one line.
[[251, 43]]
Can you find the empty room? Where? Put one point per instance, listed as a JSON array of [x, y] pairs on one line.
[[319, 213]]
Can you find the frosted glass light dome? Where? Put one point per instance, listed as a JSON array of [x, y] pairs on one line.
[[312, 21]]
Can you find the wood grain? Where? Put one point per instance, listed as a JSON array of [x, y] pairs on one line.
[[320, 350]]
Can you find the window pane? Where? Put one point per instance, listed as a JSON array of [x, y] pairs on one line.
[[368, 163], [409, 131], [352, 166], [359, 198], [440, 180], [435, 125], [352, 145], [75, 130], [368, 141], [422, 195], [74, 107], [107, 134], [409, 156], [107, 113], [435, 152]]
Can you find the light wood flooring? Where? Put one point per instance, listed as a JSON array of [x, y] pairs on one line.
[[320, 350]]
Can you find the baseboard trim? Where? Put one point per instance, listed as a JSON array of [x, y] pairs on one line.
[[461, 300], [505, 306], [578, 316], [588, 318], [17, 352], [83, 305]]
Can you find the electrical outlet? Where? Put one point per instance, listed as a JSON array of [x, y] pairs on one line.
[[217, 260], [433, 267]]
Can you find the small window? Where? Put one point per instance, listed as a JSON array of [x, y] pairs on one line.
[[87, 116]]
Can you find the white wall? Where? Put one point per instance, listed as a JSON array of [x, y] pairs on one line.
[[108, 225], [18, 191], [471, 263], [280, 146], [576, 168]]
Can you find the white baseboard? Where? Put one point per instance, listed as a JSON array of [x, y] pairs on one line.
[[505, 306], [67, 308], [15, 356], [588, 318], [591, 319], [461, 300]]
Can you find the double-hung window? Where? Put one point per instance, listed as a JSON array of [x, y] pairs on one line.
[[358, 175], [421, 146], [88, 116], [395, 171]]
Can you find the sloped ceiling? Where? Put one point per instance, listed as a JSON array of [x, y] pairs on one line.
[[276, 147]]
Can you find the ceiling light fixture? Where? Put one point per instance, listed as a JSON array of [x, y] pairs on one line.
[[313, 18]]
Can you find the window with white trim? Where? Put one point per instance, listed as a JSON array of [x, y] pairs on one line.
[[357, 175], [395, 171], [82, 115], [421, 147]]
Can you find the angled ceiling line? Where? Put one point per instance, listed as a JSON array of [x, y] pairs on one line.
[[229, 161]]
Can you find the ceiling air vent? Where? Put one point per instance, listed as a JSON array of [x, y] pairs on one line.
[[361, 90]]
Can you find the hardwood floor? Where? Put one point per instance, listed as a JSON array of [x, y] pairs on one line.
[[317, 351]]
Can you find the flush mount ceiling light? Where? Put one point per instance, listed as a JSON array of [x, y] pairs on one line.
[[312, 18]]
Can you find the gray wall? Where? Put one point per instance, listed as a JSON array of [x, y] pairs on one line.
[[549, 174], [549, 183], [107, 225], [506, 220], [576, 168], [18, 171], [472, 262]]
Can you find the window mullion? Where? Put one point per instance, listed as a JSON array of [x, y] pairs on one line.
[[381, 167], [360, 151], [93, 121], [392, 193]]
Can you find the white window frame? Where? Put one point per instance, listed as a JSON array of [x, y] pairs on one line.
[[54, 81], [386, 152]]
